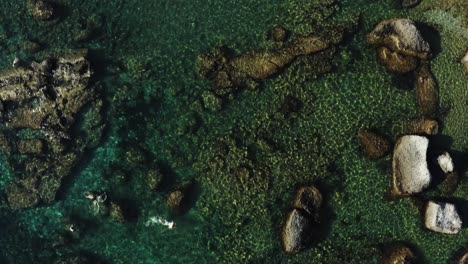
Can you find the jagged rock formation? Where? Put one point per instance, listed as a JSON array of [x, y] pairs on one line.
[[40, 105]]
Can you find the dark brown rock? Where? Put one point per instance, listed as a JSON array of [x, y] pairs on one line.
[[310, 200], [423, 125], [398, 254], [374, 145], [395, 62], [427, 94]]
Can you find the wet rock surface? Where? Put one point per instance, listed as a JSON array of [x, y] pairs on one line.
[[44, 100], [374, 145], [400, 35], [442, 217], [427, 93], [410, 169]]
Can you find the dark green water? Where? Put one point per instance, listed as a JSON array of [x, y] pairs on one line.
[[144, 54]]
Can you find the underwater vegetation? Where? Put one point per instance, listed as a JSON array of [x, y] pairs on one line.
[[250, 131]]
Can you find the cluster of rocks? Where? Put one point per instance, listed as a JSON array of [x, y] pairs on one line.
[[41, 103], [303, 222], [402, 49]]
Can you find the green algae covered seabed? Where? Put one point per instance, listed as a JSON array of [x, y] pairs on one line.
[[243, 153]]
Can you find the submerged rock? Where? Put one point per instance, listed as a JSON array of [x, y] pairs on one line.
[[396, 62], [400, 35], [445, 162], [442, 218], [424, 125], [410, 170], [46, 99], [296, 231], [428, 98], [228, 72], [410, 3], [375, 146], [310, 200], [398, 253]]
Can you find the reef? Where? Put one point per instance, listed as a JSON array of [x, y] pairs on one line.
[[45, 128]]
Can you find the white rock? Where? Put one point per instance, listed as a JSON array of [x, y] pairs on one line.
[[442, 218], [410, 171], [465, 61], [445, 162]]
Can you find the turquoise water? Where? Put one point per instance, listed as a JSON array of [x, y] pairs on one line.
[[144, 55]]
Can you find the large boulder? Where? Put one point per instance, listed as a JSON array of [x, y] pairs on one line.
[[400, 35], [410, 169], [296, 231], [442, 218]]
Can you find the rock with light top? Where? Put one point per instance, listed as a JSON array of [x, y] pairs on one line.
[[410, 170], [445, 162], [465, 61], [442, 218]]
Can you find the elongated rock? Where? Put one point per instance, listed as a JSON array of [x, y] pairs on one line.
[[428, 98], [410, 171], [442, 218], [400, 35], [296, 229], [445, 162]]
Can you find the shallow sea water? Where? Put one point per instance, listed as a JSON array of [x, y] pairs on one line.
[[144, 55]]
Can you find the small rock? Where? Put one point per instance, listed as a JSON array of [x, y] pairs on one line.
[[176, 201], [400, 35], [375, 146], [395, 62], [410, 3], [398, 254], [463, 259], [116, 213], [445, 162], [154, 179], [424, 125], [296, 232], [427, 93], [442, 218], [410, 170], [465, 61], [279, 34], [310, 200], [42, 10]]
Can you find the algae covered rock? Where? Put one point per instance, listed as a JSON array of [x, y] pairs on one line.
[[427, 94], [442, 218], [45, 99], [398, 253], [410, 169], [400, 35], [154, 178], [296, 232], [374, 145]]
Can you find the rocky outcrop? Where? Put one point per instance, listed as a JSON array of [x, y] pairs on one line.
[[442, 218], [45, 100], [400, 35], [374, 145], [410, 169], [427, 94]]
